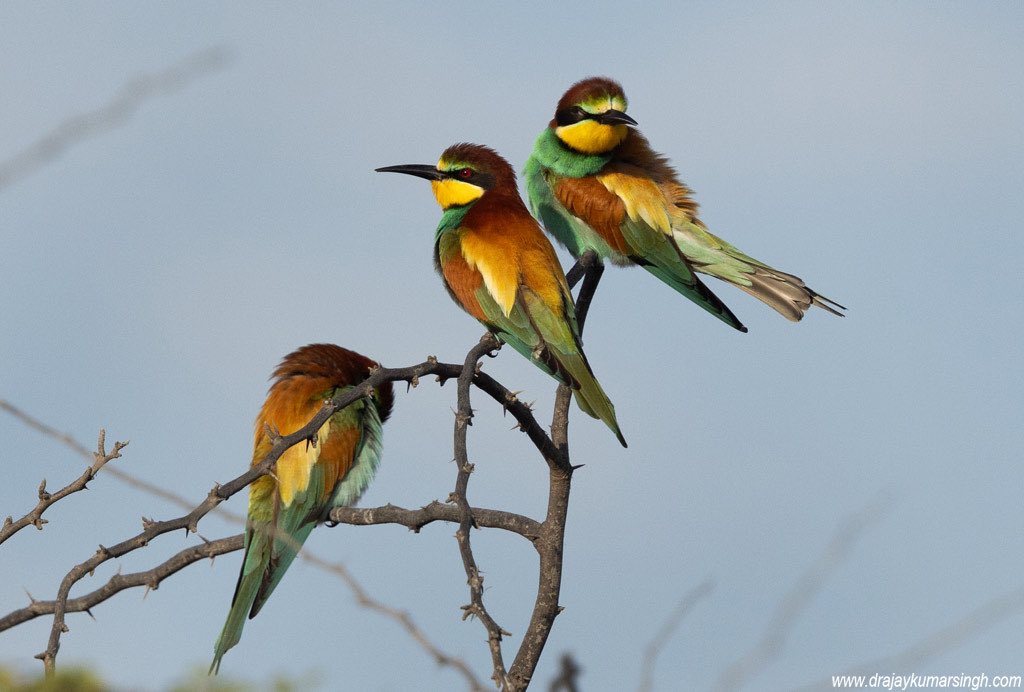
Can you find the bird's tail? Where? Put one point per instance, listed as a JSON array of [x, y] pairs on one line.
[[570, 367], [265, 562], [573, 370], [785, 293], [697, 291], [592, 400]]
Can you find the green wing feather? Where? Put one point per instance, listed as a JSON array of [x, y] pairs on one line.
[[660, 255], [549, 338]]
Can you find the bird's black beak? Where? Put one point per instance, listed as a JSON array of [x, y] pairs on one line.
[[614, 117], [419, 170]]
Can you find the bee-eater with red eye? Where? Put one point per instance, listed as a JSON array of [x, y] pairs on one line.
[[595, 183], [331, 470], [497, 264]]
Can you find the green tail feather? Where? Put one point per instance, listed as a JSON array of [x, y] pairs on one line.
[[571, 369], [257, 556], [592, 400]]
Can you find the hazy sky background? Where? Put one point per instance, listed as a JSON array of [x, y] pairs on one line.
[[152, 276]]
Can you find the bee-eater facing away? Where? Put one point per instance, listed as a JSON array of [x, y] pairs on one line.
[[497, 264], [331, 470], [595, 183]]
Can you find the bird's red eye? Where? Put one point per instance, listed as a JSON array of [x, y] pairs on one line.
[[466, 173]]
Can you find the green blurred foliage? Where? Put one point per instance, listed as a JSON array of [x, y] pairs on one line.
[[77, 679]]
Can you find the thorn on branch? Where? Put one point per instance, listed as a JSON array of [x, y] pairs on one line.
[[273, 434], [89, 613]]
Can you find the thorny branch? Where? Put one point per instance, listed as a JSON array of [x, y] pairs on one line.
[[46, 499], [119, 582], [463, 419], [416, 519], [219, 493]]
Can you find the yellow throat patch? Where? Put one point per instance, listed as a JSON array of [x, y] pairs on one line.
[[592, 137], [455, 193]]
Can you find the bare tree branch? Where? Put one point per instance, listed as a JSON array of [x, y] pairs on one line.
[[463, 419], [686, 604], [114, 113], [46, 499], [799, 597], [416, 519], [119, 582]]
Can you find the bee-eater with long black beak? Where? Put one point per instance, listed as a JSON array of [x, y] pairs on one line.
[[497, 264], [331, 470], [595, 183]]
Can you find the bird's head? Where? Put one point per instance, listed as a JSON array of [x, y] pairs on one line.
[[591, 116], [465, 173]]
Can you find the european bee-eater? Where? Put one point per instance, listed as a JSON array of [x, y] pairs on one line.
[[497, 264], [331, 470], [595, 183]]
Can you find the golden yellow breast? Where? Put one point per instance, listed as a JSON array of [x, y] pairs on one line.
[[455, 193], [592, 137], [497, 264]]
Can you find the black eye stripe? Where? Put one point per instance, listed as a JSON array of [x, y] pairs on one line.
[[572, 115], [473, 176]]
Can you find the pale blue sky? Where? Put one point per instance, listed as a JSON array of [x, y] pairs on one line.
[[153, 275]]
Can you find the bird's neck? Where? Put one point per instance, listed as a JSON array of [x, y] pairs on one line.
[[554, 154]]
